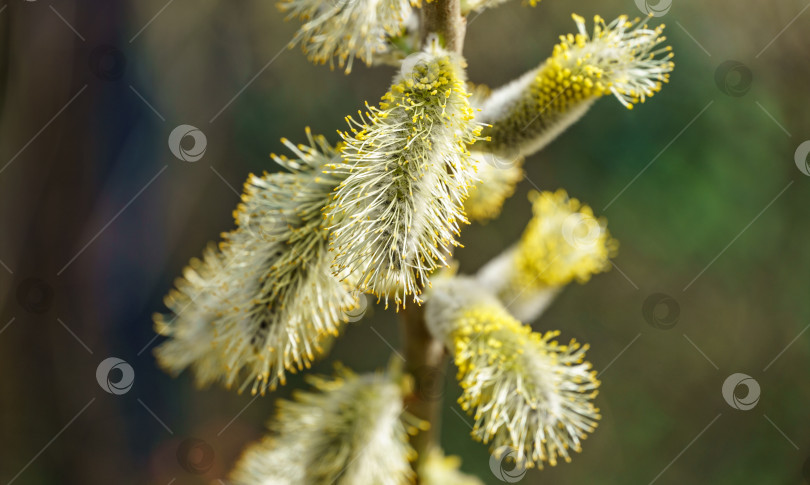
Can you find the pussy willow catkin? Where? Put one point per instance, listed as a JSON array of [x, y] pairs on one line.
[[407, 172], [623, 58]]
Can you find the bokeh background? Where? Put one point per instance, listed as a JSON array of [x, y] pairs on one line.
[[699, 184]]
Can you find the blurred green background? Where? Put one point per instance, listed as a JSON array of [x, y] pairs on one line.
[[699, 185]]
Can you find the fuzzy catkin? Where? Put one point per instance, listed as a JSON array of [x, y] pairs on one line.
[[265, 301], [344, 29], [352, 430], [562, 243], [622, 58], [524, 390], [407, 169]]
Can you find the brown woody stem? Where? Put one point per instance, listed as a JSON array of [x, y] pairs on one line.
[[443, 17], [425, 360]]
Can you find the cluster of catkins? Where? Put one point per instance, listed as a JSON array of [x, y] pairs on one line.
[[379, 213]]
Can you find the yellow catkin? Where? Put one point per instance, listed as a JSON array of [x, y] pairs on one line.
[[524, 390], [562, 242], [407, 173], [622, 58]]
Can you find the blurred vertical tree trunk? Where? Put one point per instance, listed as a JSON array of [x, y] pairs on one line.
[[48, 182]]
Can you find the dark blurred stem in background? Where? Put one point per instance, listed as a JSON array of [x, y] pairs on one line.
[[425, 357]]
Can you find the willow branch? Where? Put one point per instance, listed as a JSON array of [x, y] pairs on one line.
[[443, 17], [425, 360]]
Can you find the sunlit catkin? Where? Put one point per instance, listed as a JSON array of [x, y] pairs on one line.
[[265, 301], [407, 173], [352, 430], [623, 58], [563, 242], [344, 29], [523, 389]]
